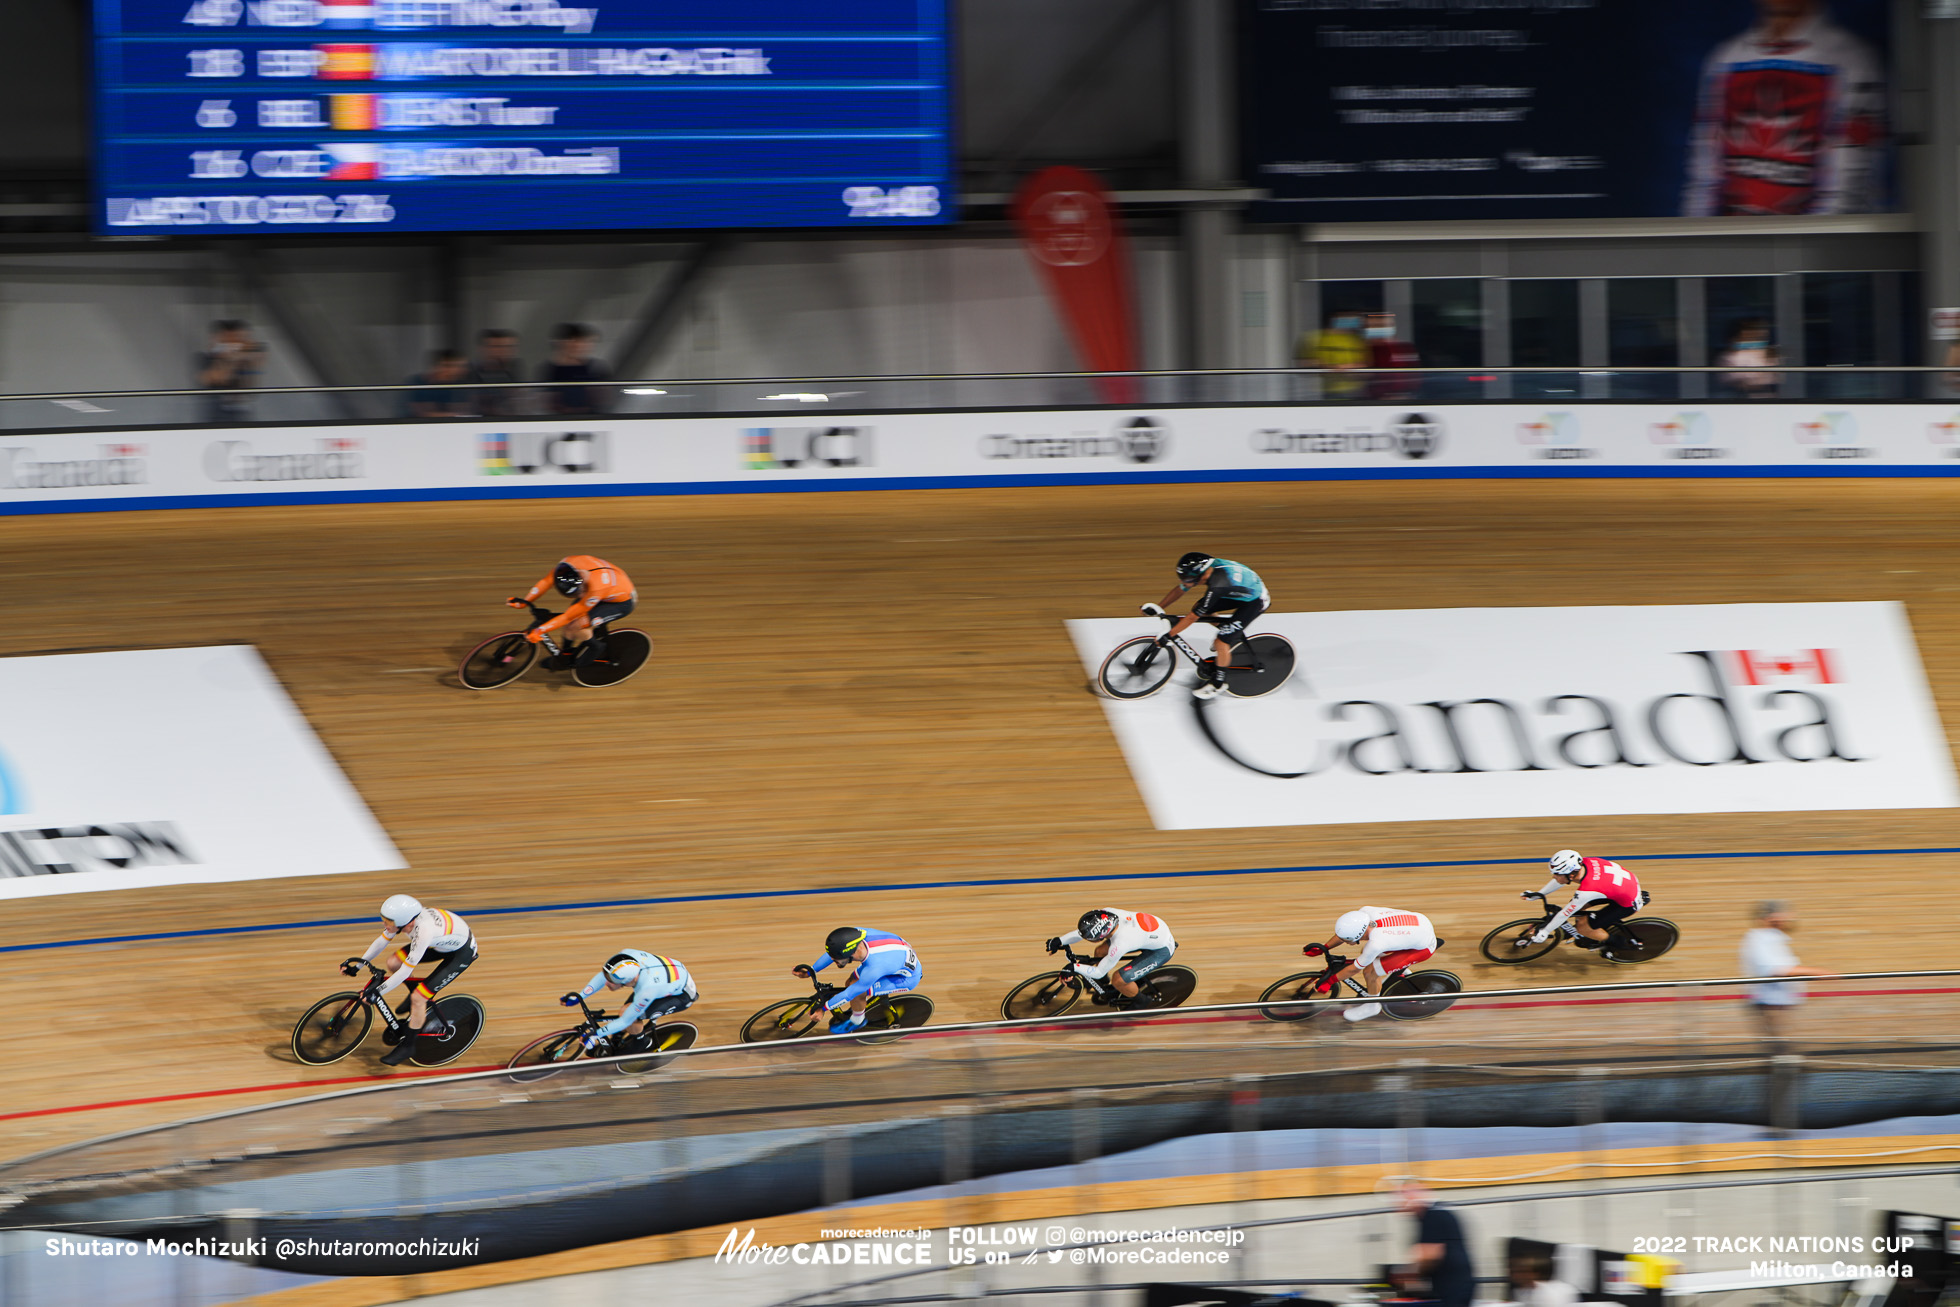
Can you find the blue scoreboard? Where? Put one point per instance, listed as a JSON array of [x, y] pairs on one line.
[[500, 115]]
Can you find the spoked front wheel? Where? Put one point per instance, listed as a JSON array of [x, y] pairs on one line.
[[1511, 942], [615, 658], [792, 1018], [331, 1029], [898, 1013], [497, 661], [464, 1017], [1417, 996], [1294, 989], [1641, 940], [545, 1057], [1047, 995], [1136, 669]]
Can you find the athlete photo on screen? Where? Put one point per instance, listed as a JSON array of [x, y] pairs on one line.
[[1790, 119]]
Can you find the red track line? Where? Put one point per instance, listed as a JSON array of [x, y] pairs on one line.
[[1159, 1021], [243, 1089]]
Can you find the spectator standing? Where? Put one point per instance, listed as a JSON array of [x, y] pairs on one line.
[[1387, 350], [1766, 952], [571, 361], [446, 368], [1440, 1254], [1538, 1287], [230, 363], [1749, 347], [496, 364], [1337, 348]]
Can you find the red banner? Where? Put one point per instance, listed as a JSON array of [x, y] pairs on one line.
[[1071, 230]]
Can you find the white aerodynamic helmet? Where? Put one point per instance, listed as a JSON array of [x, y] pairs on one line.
[[1353, 925], [400, 909], [1566, 862]]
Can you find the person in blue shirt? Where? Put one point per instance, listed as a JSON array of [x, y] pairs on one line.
[[660, 985], [1234, 597], [886, 965]]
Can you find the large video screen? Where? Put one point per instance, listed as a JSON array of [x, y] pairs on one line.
[[499, 115], [1464, 109]]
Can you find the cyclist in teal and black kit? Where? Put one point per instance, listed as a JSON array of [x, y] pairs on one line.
[[1234, 597]]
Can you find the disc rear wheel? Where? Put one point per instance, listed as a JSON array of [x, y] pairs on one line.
[[894, 1014], [1136, 669], [667, 1040], [1273, 656], [1169, 986], [464, 1017], [616, 658], [1641, 940], [1407, 997]]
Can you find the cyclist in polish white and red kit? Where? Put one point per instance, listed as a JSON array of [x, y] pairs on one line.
[[1603, 895]]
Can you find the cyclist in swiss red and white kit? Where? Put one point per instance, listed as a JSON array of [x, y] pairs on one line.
[[1116, 932], [1790, 119], [1603, 895], [1395, 939]]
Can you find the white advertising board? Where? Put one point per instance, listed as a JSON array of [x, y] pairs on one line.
[[652, 455], [129, 770], [1446, 714]]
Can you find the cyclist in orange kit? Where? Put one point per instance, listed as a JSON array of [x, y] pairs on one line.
[[600, 594]]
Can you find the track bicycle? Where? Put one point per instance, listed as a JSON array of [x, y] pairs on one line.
[[609, 657], [549, 1054], [1056, 991], [335, 1026], [1407, 995], [1637, 939], [884, 1016], [1143, 664]]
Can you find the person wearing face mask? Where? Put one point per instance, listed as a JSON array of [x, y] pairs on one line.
[[1749, 347], [1386, 351], [1337, 348]]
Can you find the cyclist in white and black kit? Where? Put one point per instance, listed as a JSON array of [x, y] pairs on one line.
[[1234, 598]]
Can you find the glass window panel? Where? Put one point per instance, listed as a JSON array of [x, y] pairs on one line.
[[1448, 326], [1641, 326], [1545, 323], [1736, 302]]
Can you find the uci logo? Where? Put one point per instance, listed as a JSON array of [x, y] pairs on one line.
[[1143, 439], [1417, 435]]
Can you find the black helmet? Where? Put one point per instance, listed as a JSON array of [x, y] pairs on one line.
[[567, 579], [1194, 565], [843, 942], [1096, 925]]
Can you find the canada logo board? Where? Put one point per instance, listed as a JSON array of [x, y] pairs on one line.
[[23, 468], [1452, 714]]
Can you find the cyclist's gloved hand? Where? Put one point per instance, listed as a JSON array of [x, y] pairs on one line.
[[1527, 894], [374, 998], [515, 602], [1153, 610], [593, 1041], [1053, 944], [1539, 936], [351, 967], [1314, 950], [571, 1000], [802, 969], [534, 635]]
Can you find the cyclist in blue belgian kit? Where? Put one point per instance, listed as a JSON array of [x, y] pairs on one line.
[[1234, 598]]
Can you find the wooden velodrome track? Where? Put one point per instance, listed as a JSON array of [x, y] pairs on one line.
[[865, 689]]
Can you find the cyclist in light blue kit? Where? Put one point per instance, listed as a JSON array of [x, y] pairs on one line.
[[661, 987], [1234, 597], [887, 965]]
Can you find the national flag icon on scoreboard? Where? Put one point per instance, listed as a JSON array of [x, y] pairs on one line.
[[353, 161], [345, 63], [354, 112], [347, 13]]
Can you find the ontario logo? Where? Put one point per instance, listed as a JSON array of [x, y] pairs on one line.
[[1833, 435], [1555, 435], [1687, 435]]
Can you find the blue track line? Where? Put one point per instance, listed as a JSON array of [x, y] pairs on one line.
[[210, 931]]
